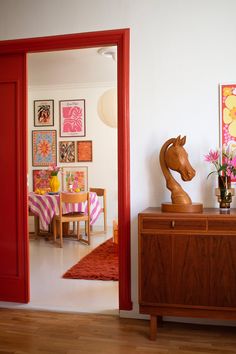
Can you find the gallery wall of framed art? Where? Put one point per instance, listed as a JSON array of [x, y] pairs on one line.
[[64, 129]]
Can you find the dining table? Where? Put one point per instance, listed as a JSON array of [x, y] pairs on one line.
[[45, 206]]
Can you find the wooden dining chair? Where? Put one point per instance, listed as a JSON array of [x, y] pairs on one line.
[[101, 193], [72, 198]]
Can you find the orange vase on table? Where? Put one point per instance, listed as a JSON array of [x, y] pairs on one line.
[[54, 184]]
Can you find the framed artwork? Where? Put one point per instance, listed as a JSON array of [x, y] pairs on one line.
[[84, 151], [44, 147], [72, 117], [75, 176], [43, 113], [66, 151], [228, 119], [41, 179]]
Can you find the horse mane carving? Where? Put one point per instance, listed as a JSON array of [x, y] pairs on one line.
[[173, 156]]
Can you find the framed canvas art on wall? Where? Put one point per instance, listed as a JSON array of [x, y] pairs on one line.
[[77, 177], [44, 147], [72, 118], [84, 151], [228, 119], [43, 113], [66, 151], [41, 180]]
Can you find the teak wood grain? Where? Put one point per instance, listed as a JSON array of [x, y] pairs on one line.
[[187, 264]]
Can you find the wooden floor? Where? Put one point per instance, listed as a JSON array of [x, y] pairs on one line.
[[34, 332]]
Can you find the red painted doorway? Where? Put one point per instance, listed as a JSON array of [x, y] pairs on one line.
[[18, 248]]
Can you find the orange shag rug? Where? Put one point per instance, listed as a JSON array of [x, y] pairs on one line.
[[100, 264]]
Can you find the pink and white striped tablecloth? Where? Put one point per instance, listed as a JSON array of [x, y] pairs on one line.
[[46, 206]]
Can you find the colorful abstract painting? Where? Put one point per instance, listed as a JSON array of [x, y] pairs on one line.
[[41, 180], [77, 177], [72, 117], [66, 151], [84, 151], [228, 118], [44, 147]]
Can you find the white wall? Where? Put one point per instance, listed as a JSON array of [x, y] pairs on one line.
[[102, 171], [180, 51]]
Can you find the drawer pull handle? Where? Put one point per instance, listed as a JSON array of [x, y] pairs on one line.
[[172, 224]]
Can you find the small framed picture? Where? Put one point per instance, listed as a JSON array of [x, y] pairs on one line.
[[66, 151], [84, 151], [76, 177], [72, 117], [43, 113], [41, 180], [44, 147]]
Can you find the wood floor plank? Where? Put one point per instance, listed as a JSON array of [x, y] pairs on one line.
[[39, 332]]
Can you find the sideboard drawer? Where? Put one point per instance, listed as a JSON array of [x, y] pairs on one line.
[[222, 225], [178, 224]]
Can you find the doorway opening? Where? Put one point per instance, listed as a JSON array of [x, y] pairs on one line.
[[70, 75]]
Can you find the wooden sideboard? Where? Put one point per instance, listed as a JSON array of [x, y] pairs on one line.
[[187, 265]]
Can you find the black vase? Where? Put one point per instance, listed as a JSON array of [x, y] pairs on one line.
[[225, 197]]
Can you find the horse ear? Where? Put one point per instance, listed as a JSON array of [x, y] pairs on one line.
[[177, 141], [183, 141]]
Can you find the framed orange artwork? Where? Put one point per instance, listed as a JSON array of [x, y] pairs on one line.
[[228, 119], [84, 151]]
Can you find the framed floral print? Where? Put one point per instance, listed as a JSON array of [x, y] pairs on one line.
[[84, 151], [66, 151], [72, 118], [228, 120], [44, 147], [43, 113], [41, 180], [77, 177]]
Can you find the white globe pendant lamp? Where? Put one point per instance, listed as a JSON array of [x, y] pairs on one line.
[[107, 107]]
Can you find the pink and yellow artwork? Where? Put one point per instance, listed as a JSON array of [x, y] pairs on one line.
[[76, 177], [72, 118], [44, 147], [228, 119]]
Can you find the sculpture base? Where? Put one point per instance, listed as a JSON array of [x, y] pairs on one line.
[[182, 208]]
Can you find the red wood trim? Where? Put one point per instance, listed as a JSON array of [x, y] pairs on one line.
[[119, 37], [64, 42]]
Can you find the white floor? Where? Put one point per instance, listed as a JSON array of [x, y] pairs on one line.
[[49, 291]]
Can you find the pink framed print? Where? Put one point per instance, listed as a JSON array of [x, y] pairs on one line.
[[41, 180], [76, 177], [228, 119], [72, 117], [44, 147]]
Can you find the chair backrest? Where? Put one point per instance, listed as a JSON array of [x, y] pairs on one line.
[[101, 192], [74, 198]]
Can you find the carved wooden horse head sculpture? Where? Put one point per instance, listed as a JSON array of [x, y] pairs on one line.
[[173, 156]]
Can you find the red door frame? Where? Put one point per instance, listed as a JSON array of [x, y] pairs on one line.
[[120, 38]]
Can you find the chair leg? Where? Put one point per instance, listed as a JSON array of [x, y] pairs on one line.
[[54, 223], [78, 231], [61, 235], [105, 221], [36, 226], [88, 231]]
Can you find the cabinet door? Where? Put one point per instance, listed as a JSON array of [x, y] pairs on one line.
[[223, 271], [155, 269], [191, 270]]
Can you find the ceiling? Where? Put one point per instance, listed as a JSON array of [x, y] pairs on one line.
[[78, 66]]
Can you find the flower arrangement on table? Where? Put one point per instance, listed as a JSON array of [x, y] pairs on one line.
[[54, 169], [225, 163], [225, 167], [54, 181]]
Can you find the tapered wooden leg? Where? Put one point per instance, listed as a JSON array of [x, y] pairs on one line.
[[54, 229], [61, 235], [153, 327]]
